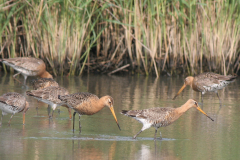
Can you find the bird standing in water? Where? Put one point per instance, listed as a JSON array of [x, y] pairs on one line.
[[160, 117], [207, 82], [50, 95], [87, 104], [13, 103], [27, 66]]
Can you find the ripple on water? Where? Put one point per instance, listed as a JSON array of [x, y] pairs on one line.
[[100, 138]]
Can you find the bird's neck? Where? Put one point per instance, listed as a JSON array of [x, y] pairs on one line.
[[182, 109], [97, 106], [190, 82], [45, 74]]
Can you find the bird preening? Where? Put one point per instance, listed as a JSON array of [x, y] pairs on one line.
[[160, 117]]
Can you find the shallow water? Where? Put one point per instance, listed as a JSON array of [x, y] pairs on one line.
[[192, 136]]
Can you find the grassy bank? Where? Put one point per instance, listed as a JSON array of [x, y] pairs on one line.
[[100, 36]]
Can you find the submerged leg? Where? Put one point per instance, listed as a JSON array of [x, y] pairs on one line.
[[219, 98], [160, 135], [134, 137], [24, 118], [79, 125], [25, 79], [49, 111], [10, 120], [59, 111], [16, 78], [1, 120], [155, 134], [74, 120], [52, 113], [37, 110]]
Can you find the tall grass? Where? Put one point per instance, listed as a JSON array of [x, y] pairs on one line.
[[100, 36]]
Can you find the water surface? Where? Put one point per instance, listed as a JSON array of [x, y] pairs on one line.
[[192, 136]]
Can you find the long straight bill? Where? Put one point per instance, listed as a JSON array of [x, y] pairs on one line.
[[198, 108], [179, 91], [113, 113]]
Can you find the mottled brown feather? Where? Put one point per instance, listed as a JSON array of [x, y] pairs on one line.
[[49, 93], [41, 83]]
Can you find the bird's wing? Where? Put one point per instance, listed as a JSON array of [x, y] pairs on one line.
[[28, 63], [13, 99]]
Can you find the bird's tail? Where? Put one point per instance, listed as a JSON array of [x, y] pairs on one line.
[[130, 113], [124, 112], [232, 78], [62, 98], [29, 93]]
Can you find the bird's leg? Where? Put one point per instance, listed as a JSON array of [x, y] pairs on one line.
[[24, 118], [70, 113], [155, 134], [219, 99], [74, 120], [16, 78], [58, 110], [160, 136], [79, 125], [52, 113], [202, 97], [137, 134], [10, 120], [1, 120], [25, 79], [37, 110], [49, 111]]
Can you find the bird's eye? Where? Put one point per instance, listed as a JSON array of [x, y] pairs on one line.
[[109, 101], [195, 103]]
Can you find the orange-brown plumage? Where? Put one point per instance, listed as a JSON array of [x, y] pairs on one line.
[[28, 66], [207, 82], [87, 104], [160, 117]]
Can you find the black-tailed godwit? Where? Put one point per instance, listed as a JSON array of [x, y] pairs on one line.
[[160, 117], [27, 66], [13, 103], [207, 82], [41, 83], [50, 95], [87, 104]]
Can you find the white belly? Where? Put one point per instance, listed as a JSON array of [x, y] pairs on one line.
[[216, 87], [8, 109], [23, 71]]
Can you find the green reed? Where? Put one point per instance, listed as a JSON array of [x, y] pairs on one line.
[[152, 36]]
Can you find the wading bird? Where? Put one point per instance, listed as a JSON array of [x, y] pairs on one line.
[[50, 95], [207, 82], [12, 103], [160, 117], [41, 83], [87, 104], [27, 66]]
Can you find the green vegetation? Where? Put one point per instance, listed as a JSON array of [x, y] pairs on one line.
[[152, 36]]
